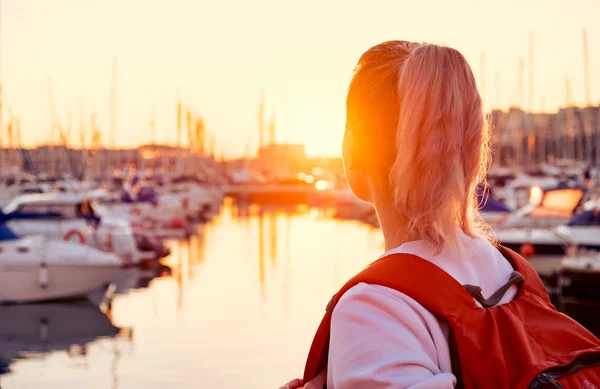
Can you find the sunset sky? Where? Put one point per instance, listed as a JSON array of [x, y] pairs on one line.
[[217, 55]]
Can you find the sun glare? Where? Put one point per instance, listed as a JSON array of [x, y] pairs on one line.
[[321, 185]]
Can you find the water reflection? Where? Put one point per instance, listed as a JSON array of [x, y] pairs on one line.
[[36, 330], [234, 306], [237, 311]]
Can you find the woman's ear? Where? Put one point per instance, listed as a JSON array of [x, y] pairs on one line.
[[356, 176]]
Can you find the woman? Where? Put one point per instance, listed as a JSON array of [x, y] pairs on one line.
[[416, 147]]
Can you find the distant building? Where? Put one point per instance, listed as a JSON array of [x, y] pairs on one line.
[[281, 159], [528, 138]]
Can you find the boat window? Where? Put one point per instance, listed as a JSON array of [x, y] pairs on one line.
[[564, 200], [47, 210], [6, 233], [31, 191], [586, 218], [33, 208]]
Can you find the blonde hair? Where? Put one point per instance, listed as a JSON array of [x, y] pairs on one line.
[[422, 104]]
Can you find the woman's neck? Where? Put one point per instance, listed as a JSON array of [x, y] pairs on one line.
[[393, 226]]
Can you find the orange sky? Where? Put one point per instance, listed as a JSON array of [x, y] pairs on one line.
[[217, 55]]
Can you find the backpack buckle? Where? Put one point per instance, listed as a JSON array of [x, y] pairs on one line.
[[331, 304]]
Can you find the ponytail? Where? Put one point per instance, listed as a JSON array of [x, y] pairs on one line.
[[442, 146]]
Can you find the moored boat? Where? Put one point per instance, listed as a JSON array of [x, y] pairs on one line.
[[78, 217], [37, 269]]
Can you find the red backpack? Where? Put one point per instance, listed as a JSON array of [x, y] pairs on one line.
[[524, 344]]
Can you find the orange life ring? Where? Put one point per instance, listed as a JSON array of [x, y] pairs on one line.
[[72, 232]]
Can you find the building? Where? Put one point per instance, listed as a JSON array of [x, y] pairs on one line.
[[281, 160], [521, 138]]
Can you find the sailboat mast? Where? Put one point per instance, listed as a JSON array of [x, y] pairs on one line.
[[272, 130], [261, 120], [586, 70], [113, 108], [179, 124], [531, 137], [587, 130], [153, 126], [520, 104], [571, 152], [482, 75]]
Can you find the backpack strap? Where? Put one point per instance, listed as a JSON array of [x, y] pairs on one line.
[[442, 295], [532, 283]]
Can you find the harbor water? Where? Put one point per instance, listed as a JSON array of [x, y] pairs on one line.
[[237, 309]]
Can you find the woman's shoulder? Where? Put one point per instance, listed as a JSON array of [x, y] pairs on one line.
[[375, 329], [370, 303]]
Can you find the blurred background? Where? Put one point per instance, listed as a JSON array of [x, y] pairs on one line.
[[173, 207]]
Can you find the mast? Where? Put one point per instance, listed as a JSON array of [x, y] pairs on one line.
[[179, 123], [261, 120], [498, 88], [520, 106], [272, 130], [284, 98], [586, 70], [570, 130], [482, 75], [153, 126], [530, 76], [531, 135], [587, 131], [113, 107]]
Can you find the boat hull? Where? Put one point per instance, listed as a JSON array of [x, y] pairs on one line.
[[549, 249], [580, 284], [25, 283]]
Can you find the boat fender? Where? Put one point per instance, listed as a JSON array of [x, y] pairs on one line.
[[72, 232], [177, 223], [108, 242], [135, 210], [185, 202], [527, 250], [44, 329], [44, 275]]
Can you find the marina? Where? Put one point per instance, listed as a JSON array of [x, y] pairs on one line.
[[184, 187], [212, 313], [183, 328]]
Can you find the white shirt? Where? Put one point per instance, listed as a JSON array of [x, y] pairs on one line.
[[381, 338]]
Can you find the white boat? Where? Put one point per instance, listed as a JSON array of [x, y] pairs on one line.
[[203, 199], [143, 207], [547, 208], [516, 193], [577, 288], [32, 330], [11, 189], [583, 230], [76, 217], [39, 269]]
